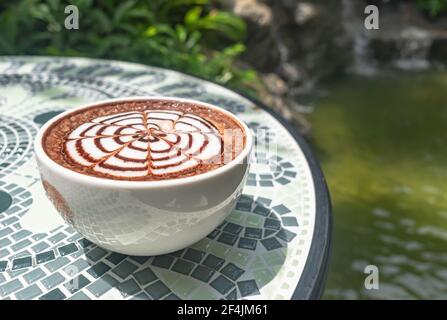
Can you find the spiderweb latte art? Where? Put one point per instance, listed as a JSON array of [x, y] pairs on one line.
[[140, 143], [144, 139]]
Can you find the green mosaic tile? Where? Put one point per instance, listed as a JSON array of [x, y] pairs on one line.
[[40, 247], [171, 297], [182, 266], [57, 237], [213, 234], [227, 238], [22, 263], [79, 296], [76, 284], [116, 258], [261, 210], [67, 249], [141, 296], [164, 261], [255, 233], [246, 243], [55, 294], [263, 275], [124, 269], [222, 284], [272, 224], [96, 254], [233, 228], [271, 243], [98, 269], [2, 278], [20, 235], [57, 263], [157, 290], [34, 275], [194, 255], [5, 231], [4, 242], [15, 273], [77, 266], [45, 257], [274, 258], [53, 280], [232, 271], [268, 232], [20, 245], [203, 294], [289, 221], [145, 276], [239, 257], [264, 183], [3, 265], [139, 259], [10, 221], [213, 262], [38, 236], [183, 287], [283, 181], [177, 253], [102, 285], [4, 253], [202, 245], [235, 217], [202, 273], [28, 293], [248, 288], [254, 221], [84, 243], [9, 287], [21, 254], [232, 295], [286, 235], [128, 288]]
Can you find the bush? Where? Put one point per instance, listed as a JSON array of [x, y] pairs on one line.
[[193, 36], [433, 7]]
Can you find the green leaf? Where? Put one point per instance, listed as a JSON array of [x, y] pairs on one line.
[[181, 33], [121, 11], [151, 31], [193, 16]]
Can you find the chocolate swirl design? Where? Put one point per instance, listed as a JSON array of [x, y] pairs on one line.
[[139, 143]]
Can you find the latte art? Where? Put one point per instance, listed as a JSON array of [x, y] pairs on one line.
[[134, 144], [145, 142]]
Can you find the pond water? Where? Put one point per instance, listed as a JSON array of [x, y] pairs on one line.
[[382, 143]]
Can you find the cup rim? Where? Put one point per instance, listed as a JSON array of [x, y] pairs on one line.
[[66, 173]]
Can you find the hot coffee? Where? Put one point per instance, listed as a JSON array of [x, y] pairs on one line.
[[144, 140]]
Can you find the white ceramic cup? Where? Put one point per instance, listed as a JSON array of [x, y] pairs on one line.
[[144, 217]]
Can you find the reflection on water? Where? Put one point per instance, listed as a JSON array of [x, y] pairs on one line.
[[382, 143]]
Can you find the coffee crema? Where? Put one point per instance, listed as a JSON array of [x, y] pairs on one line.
[[144, 140]]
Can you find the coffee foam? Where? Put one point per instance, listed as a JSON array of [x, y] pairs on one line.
[[138, 143]]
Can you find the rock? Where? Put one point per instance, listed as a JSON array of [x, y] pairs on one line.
[[304, 12], [275, 84], [253, 11], [438, 50]]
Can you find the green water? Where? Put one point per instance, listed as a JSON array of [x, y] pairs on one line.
[[382, 143]]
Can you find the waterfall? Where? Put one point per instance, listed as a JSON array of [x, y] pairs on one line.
[[414, 46], [352, 14]]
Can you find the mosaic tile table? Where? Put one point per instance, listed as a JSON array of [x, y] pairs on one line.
[[274, 245]]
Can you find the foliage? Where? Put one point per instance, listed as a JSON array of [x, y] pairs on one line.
[[433, 7], [193, 36]]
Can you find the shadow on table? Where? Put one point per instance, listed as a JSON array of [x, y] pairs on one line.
[[236, 260]]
